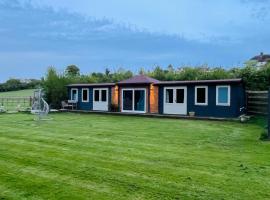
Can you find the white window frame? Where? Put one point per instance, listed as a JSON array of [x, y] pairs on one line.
[[100, 95], [133, 100], [77, 94], [229, 95], [87, 100], [165, 92], [206, 96]]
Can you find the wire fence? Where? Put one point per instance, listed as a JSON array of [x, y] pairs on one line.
[[16, 103]]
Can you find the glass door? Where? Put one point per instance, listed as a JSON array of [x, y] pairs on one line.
[[133, 100], [127, 100], [100, 99], [139, 104], [175, 100]]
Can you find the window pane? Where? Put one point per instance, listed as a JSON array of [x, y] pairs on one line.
[[180, 95], [223, 95], [85, 95], [104, 95], [169, 95], [201, 95], [96, 95], [127, 99], [74, 95], [139, 100]]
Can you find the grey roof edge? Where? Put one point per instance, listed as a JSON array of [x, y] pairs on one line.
[[239, 80], [200, 81], [90, 84]]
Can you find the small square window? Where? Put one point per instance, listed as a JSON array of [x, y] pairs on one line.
[[201, 95], [85, 95], [223, 95]]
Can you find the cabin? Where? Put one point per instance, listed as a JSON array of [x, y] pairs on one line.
[[94, 97], [141, 94]]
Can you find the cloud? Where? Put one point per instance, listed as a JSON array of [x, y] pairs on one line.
[[260, 9], [35, 37]]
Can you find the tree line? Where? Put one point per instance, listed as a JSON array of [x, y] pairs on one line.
[[54, 83], [17, 84]]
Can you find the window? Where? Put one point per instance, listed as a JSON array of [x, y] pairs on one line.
[[85, 95], [201, 95], [133, 100], [96, 96], [74, 94], [139, 100], [180, 95], [169, 95], [100, 95], [104, 95], [127, 100], [223, 95]]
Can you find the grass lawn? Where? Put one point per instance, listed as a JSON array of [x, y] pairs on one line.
[[20, 93], [119, 157]]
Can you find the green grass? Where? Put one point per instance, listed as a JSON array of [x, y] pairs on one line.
[[20, 93], [78, 156]]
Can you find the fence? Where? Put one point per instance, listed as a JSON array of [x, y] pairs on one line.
[[257, 102], [16, 103]]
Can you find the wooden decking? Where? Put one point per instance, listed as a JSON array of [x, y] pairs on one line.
[[152, 115]]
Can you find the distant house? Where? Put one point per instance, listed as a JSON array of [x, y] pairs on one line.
[[261, 59], [142, 94]]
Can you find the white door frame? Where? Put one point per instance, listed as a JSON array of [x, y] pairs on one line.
[[175, 108], [100, 105], [133, 100]]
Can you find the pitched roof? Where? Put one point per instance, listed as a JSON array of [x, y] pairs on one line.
[[199, 81], [139, 79], [261, 58], [91, 84]]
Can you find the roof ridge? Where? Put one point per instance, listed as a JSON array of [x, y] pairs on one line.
[[140, 78]]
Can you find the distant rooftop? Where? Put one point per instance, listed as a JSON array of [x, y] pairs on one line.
[[139, 79], [261, 58]]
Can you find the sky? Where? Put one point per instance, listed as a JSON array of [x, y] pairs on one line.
[[100, 34]]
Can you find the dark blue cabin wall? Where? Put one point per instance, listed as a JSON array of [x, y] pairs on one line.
[[83, 105], [88, 106], [160, 99], [211, 110]]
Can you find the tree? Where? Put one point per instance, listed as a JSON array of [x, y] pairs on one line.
[[158, 74], [14, 84], [72, 70], [55, 87]]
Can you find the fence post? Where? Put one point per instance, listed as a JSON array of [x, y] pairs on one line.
[[268, 114]]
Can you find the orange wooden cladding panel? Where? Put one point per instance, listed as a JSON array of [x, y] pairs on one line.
[[153, 99], [115, 94]]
